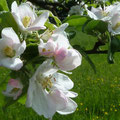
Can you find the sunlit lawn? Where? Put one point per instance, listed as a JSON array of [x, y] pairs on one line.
[[98, 94]]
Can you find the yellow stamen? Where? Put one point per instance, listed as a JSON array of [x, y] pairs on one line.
[[26, 21], [9, 52], [43, 50]]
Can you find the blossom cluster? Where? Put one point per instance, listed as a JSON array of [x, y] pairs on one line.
[[109, 14], [49, 89]]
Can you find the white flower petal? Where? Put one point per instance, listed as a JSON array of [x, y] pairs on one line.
[[60, 37], [26, 10], [30, 93], [61, 81], [46, 68], [92, 15], [70, 108], [19, 22], [60, 29], [9, 34], [21, 48], [14, 7], [12, 63], [70, 94], [39, 22], [41, 103]]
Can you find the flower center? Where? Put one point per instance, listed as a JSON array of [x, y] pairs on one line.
[[116, 26], [9, 52], [26, 21], [14, 90], [104, 13], [45, 81]]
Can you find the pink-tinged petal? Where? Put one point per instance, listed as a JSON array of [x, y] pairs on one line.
[[9, 34], [71, 61], [39, 22], [58, 98], [70, 108], [15, 83], [60, 54], [12, 63], [62, 82]]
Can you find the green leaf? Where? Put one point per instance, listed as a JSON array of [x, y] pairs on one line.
[[114, 46], [95, 25], [85, 56], [3, 5], [71, 34], [76, 20], [7, 20], [79, 38]]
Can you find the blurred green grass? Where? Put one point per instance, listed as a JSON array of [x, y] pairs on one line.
[[98, 94]]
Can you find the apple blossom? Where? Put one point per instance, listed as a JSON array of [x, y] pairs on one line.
[[27, 19], [14, 89], [77, 9], [48, 91], [10, 49], [100, 13], [60, 49]]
